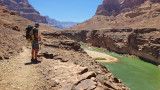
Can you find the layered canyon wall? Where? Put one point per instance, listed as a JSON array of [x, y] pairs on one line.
[[144, 43], [23, 8], [115, 7]]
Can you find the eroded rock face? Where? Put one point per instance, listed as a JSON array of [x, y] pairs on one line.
[[23, 8], [155, 1], [141, 42], [131, 3], [114, 7], [109, 7], [60, 41]]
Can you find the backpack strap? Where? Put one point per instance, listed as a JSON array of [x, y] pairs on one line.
[[32, 34]]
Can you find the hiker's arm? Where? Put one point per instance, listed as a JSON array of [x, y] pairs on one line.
[[37, 36]]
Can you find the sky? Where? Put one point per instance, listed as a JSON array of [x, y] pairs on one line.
[[67, 10]]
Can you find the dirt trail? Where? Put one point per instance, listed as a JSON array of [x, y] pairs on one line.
[[15, 75], [19, 73]]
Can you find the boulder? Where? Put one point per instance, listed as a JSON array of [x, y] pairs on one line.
[[86, 85]]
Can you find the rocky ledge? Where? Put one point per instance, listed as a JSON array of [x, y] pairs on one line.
[[74, 69], [140, 42]]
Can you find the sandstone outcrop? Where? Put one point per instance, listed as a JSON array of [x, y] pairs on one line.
[[23, 8], [115, 7], [131, 3], [108, 8], [62, 42], [140, 42]]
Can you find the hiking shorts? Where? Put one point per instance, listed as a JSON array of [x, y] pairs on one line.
[[35, 45]]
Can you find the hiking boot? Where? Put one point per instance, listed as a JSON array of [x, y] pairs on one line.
[[32, 60], [36, 61]]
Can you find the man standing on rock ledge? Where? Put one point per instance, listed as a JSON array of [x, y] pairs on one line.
[[35, 44]]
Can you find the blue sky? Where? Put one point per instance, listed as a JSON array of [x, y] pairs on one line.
[[67, 10]]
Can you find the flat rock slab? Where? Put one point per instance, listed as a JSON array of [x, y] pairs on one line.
[[70, 83], [86, 84]]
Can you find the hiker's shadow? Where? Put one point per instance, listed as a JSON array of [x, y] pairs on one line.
[[30, 63]]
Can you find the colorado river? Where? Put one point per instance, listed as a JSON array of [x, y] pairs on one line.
[[135, 73]]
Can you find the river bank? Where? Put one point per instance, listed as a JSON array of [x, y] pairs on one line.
[[135, 73], [96, 55]]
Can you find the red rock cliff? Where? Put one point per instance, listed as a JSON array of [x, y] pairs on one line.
[[113, 7], [23, 8], [109, 7], [131, 3]]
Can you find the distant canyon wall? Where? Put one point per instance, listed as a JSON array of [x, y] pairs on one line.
[[114, 7], [144, 43], [59, 24], [23, 8]]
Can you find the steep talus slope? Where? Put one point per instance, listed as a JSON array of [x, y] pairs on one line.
[[23, 8], [64, 64], [12, 27]]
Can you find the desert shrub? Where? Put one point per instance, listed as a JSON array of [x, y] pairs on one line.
[[100, 58]]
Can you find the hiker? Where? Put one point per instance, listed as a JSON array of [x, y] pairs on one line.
[[35, 44]]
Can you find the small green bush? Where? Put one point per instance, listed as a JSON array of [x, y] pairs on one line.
[[100, 58]]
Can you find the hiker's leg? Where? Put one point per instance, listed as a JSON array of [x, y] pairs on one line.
[[36, 47], [36, 53], [33, 53]]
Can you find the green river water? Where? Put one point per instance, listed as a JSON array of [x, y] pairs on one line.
[[135, 73]]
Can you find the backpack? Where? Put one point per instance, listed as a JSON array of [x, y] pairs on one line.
[[29, 33]]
